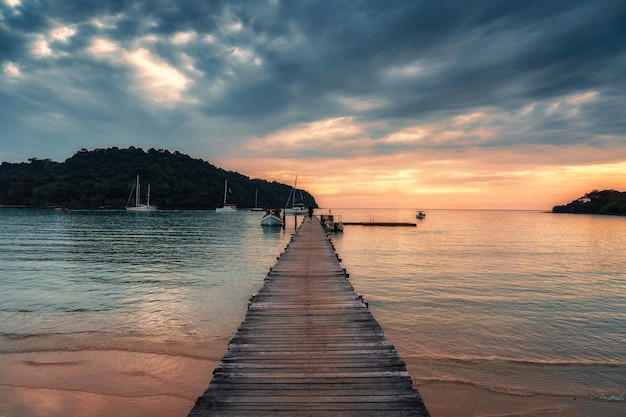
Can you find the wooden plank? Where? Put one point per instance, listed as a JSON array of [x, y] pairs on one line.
[[309, 346]]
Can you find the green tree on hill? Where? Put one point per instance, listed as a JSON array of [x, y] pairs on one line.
[[105, 177], [596, 202]]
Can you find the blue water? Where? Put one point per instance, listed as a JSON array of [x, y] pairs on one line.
[[164, 273], [526, 309]]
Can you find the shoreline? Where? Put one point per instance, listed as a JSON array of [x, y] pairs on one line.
[[451, 400], [104, 375], [163, 379]]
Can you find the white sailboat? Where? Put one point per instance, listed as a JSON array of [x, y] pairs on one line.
[[256, 205], [296, 208], [138, 206], [227, 208]]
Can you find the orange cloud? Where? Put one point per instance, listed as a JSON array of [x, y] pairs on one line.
[[453, 163]]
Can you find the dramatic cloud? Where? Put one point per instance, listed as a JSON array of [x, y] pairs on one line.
[[421, 99]]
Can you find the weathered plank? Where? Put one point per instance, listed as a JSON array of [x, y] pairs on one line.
[[309, 346]]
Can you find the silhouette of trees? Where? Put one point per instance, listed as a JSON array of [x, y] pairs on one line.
[[105, 177], [596, 202]]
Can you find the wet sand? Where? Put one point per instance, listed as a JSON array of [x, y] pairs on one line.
[[110, 378], [103, 376], [455, 400]]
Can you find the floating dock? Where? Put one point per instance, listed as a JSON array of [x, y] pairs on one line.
[[309, 346], [398, 224]]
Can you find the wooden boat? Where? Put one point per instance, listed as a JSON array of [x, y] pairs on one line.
[[272, 218], [331, 223]]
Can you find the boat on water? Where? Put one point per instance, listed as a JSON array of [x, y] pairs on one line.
[[420, 215], [331, 223], [296, 208], [256, 205], [227, 208], [272, 218], [138, 206]]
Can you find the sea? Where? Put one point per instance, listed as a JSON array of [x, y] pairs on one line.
[[496, 313]]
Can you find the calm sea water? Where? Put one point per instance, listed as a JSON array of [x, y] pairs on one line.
[[502, 313]]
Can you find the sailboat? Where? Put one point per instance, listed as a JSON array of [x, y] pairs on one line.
[[296, 208], [256, 205], [138, 206], [227, 208]]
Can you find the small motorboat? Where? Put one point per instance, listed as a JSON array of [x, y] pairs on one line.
[[331, 223], [272, 218]]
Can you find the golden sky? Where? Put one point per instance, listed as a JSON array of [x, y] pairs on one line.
[[426, 173], [457, 104]]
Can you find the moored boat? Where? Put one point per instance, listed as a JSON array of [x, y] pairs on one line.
[[296, 208], [138, 206], [272, 218], [420, 215], [227, 208], [331, 223], [256, 205]]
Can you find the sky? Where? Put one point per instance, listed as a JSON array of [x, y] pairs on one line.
[[372, 104]]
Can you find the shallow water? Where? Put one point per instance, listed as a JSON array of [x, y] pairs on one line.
[[508, 313], [519, 304]]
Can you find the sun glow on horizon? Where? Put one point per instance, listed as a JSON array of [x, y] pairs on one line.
[[458, 162], [384, 183]]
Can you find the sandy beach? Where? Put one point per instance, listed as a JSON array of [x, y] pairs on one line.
[[103, 377], [127, 376]]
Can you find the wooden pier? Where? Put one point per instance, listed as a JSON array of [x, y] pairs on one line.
[[309, 346]]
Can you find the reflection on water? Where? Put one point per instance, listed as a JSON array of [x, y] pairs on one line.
[[524, 303], [111, 313], [129, 272], [507, 313]]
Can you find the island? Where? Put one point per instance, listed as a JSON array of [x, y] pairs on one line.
[[596, 202], [104, 178]]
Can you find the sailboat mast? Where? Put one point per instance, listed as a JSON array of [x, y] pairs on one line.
[[137, 193], [295, 188], [148, 202], [225, 190]]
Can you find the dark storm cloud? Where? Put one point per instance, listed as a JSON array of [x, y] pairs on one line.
[[268, 65], [500, 58]]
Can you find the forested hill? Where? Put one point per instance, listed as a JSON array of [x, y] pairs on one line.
[[105, 177], [596, 202]]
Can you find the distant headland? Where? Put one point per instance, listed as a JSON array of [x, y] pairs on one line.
[[103, 178], [596, 202]]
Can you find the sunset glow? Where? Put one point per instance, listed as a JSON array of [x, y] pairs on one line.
[[401, 105]]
